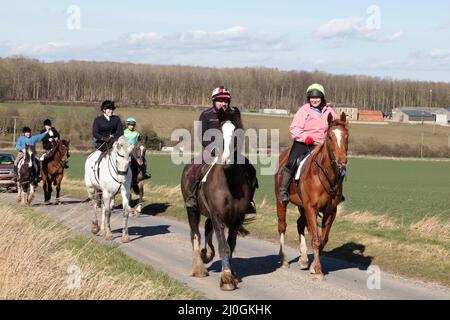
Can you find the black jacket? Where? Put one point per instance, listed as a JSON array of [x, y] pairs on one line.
[[50, 138], [103, 127], [210, 120]]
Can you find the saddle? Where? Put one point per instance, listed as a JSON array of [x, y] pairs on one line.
[[300, 164]]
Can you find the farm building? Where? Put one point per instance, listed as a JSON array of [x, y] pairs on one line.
[[412, 115], [370, 115], [351, 113]]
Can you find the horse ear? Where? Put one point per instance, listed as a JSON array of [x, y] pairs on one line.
[[343, 117], [330, 118]]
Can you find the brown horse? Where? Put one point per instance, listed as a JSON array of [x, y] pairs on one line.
[[138, 171], [223, 199], [52, 169], [319, 190]]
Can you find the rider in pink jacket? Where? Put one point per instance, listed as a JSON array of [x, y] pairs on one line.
[[308, 129]]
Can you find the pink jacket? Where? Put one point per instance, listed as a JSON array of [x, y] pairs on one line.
[[308, 122]]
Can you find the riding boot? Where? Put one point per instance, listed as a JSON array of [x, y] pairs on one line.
[[286, 176], [191, 199]]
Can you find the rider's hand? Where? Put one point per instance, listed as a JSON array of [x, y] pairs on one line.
[[309, 140]]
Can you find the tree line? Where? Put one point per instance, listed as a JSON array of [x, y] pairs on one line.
[[252, 88]]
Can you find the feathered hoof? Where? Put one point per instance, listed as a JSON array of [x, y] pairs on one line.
[[227, 281], [125, 239], [285, 264]]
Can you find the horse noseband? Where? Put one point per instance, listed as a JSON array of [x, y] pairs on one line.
[[122, 173]]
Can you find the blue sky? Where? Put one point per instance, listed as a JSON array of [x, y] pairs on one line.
[[395, 39]]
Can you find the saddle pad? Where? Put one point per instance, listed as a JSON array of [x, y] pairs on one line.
[[207, 172], [300, 167]]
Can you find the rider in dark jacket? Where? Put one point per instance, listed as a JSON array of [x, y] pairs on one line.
[[50, 140], [221, 98], [106, 128]]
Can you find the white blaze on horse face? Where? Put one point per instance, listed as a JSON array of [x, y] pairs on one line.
[[227, 131], [142, 151], [30, 163], [338, 134]]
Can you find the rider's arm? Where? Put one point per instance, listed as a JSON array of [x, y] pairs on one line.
[[20, 144], [95, 127], [55, 133], [297, 128], [38, 137]]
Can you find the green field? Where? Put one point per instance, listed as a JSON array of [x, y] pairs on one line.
[[405, 190]]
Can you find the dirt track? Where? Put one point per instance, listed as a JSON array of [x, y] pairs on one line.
[[165, 244]]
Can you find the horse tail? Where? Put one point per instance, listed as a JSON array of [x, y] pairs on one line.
[[242, 231]]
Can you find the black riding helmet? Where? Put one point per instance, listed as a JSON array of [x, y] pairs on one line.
[[47, 122], [108, 104], [26, 129]]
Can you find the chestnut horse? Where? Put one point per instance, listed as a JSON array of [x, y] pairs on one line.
[[52, 169], [223, 199], [318, 190]]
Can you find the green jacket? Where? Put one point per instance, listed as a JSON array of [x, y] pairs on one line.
[[131, 136]]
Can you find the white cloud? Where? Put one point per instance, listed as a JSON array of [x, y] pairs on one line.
[[393, 37], [236, 38], [353, 28]]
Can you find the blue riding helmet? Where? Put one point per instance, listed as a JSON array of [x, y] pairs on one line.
[[131, 121]]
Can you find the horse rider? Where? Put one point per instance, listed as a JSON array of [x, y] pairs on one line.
[[22, 142], [308, 129], [50, 140], [221, 99], [133, 136], [106, 128]]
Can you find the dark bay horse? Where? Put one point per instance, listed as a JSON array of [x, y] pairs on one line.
[[138, 171], [52, 169], [223, 199], [319, 190], [27, 179]]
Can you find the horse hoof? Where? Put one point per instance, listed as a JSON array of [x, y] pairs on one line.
[[303, 265], [109, 237], [319, 276], [228, 282], [205, 257], [199, 273], [285, 264], [95, 229], [125, 239]]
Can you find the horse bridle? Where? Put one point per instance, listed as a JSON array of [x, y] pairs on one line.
[[339, 170]]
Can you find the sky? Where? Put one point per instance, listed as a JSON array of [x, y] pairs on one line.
[[389, 39]]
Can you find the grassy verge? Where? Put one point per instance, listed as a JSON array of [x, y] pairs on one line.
[[38, 256]]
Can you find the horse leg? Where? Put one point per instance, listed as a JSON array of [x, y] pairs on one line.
[[301, 224], [141, 197], [19, 192], [208, 252], [281, 213], [311, 220], [107, 214], [30, 194], [198, 268], [58, 188], [102, 231], [228, 282], [327, 222], [126, 194]]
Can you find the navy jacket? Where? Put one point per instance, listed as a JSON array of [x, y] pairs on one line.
[[210, 120], [103, 127]]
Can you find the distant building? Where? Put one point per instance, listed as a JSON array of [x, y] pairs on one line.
[[370, 115], [350, 112], [412, 115]]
